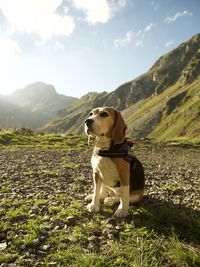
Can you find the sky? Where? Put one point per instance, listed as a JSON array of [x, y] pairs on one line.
[[82, 46]]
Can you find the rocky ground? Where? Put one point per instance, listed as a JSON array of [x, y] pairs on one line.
[[42, 206]]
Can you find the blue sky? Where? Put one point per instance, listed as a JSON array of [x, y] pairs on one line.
[[88, 45]]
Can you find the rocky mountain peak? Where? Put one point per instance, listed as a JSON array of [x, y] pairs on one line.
[[33, 91]]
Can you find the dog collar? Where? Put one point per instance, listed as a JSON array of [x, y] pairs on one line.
[[118, 151]]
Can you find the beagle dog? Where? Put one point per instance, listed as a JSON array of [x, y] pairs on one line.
[[112, 177]]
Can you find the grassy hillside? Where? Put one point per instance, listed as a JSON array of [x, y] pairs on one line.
[[171, 115], [71, 120], [183, 123], [17, 139]]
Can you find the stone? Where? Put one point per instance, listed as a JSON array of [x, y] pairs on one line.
[[3, 245]]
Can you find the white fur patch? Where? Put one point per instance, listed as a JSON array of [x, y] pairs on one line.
[[122, 210], [106, 170]]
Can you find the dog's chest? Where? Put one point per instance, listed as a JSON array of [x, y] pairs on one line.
[[106, 169]]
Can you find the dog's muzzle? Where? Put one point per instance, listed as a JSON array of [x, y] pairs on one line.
[[88, 125], [88, 122]]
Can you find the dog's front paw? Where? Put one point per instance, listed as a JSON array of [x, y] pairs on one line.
[[92, 207], [121, 213]]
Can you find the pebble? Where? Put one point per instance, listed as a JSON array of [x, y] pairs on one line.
[[45, 247], [35, 242], [52, 263], [72, 239], [3, 245], [70, 220]]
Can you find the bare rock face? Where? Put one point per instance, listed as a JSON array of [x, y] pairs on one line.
[[192, 70]]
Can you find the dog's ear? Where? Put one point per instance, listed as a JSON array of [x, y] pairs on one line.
[[118, 134]]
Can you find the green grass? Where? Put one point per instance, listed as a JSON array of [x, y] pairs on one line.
[[183, 124], [149, 237], [140, 246], [71, 165], [71, 142], [17, 214], [182, 253]]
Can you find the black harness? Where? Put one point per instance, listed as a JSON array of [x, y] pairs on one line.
[[118, 151], [124, 151]]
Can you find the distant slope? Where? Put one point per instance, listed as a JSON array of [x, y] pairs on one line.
[[71, 120], [32, 106], [12, 116], [182, 122], [153, 103], [172, 115], [40, 97]]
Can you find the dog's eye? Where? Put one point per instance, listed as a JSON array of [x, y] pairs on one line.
[[103, 114], [90, 114]]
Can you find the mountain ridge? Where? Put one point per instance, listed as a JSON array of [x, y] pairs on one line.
[[34, 105], [154, 96]]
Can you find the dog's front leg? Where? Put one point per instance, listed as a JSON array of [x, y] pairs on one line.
[[94, 205], [122, 210]]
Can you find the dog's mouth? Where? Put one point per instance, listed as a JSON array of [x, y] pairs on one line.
[[91, 132], [88, 130]]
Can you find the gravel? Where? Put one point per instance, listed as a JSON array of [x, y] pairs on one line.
[[45, 183]]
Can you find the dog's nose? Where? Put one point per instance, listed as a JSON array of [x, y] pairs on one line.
[[88, 122]]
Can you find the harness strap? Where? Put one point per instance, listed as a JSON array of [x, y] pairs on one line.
[[118, 151], [109, 154]]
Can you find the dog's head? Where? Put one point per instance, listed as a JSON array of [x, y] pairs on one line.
[[106, 121]]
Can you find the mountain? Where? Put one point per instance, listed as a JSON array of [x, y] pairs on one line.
[[32, 106], [70, 120], [7, 110], [40, 97], [163, 103]]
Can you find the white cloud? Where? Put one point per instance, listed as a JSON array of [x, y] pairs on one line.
[[179, 14], [96, 11], [124, 41], [99, 11], [136, 38], [40, 17], [36, 16], [169, 43], [9, 50], [149, 27]]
